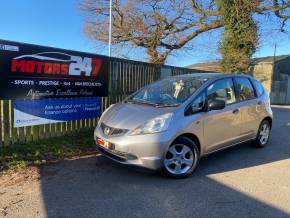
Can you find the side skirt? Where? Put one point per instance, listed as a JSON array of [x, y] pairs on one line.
[[220, 149]]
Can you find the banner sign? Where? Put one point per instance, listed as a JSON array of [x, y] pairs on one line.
[[34, 72], [45, 111]]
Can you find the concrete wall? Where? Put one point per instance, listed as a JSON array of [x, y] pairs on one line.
[[263, 72]]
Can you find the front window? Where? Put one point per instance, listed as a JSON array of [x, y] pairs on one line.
[[222, 90], [171, 91]]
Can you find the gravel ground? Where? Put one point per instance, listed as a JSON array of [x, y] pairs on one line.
[[238, 182]]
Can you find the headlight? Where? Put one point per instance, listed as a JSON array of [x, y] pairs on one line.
[[158, 124]]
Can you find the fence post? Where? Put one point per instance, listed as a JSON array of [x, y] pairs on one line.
[[6, 122], [14, 131]]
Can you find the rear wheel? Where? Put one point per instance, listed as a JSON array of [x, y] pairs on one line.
[[263, 134], [181, 159]]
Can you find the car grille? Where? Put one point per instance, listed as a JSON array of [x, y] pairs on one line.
[[117, 155], [110, 131]]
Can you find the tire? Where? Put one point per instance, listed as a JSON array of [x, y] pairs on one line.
[[181, 158], [262, 135]]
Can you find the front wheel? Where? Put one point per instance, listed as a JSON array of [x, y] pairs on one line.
[[181, 159], [263, 134]]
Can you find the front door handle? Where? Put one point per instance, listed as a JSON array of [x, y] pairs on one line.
[[260, 102], [236, 111]]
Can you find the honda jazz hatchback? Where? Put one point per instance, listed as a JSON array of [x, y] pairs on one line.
[[170, 124]]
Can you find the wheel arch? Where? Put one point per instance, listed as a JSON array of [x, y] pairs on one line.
[[192, 137], [269, 119]]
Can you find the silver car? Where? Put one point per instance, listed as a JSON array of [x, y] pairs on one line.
[[170, 124]]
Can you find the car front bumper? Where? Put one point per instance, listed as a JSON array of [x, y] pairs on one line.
[[146, 151]]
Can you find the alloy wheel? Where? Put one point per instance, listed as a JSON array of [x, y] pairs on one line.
[[179, 159], [264, 133]]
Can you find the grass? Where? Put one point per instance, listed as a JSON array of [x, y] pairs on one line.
[[19, 156]]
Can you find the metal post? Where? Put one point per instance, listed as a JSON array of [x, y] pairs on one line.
[[272, 76], [110, 29], [275, 48]]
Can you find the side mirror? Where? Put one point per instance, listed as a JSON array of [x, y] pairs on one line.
[[217, 105]]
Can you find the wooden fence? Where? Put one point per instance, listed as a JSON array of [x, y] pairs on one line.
[[125, 77]]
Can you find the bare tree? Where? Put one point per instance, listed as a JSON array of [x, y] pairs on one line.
[[162, 26], [159, 26]]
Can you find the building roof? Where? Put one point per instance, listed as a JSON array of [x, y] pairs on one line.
[[215, 66], [269, 59]]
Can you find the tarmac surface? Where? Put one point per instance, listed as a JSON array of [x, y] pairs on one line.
[[239, 182]]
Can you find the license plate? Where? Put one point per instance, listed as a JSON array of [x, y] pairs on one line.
[[105, 144]]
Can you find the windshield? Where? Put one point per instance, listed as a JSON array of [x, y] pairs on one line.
[[171, 91]]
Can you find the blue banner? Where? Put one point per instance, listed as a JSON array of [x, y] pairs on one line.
[[45, 111]]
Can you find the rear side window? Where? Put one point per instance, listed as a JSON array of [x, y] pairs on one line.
[[259, 87], [245, 89]]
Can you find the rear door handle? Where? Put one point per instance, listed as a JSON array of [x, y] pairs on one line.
[[236, 111]]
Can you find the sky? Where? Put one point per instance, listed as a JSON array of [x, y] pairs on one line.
[[59, 23]]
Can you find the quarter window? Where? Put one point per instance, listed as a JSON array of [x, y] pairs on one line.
[[222, 90], [245, 89], [197, 105], [259, 87]]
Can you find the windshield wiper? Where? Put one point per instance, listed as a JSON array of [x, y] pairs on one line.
[[167, 105], [141, 102], [151, 103]]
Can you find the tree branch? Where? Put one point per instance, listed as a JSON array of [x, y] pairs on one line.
[[196, 8]]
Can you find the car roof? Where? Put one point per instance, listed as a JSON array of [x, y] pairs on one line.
[[208, 76]]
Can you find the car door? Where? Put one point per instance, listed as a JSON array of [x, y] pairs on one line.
[[250, 107], [221, 127]]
